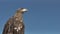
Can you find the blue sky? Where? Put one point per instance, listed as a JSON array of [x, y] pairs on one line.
[[43, 16]]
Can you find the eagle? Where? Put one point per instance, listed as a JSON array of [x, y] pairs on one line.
[[15, 24]]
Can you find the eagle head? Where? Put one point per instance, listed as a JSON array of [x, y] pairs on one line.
[[21, 10]]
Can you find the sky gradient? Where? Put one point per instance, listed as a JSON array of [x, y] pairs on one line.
[[43, 16]]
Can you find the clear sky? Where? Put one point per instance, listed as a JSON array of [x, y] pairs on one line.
[[43, 16]]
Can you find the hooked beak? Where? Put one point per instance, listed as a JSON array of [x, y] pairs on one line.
[[24, 10]]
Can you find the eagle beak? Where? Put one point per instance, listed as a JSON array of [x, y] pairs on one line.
[[24, 10]]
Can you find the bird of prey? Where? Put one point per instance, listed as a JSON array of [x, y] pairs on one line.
[[15, 24]]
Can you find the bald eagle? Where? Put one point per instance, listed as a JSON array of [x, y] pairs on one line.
[[15, 24]]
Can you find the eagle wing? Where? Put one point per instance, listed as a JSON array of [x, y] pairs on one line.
[[6, 27]]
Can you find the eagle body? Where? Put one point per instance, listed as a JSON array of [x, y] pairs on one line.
[[13, 26]]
